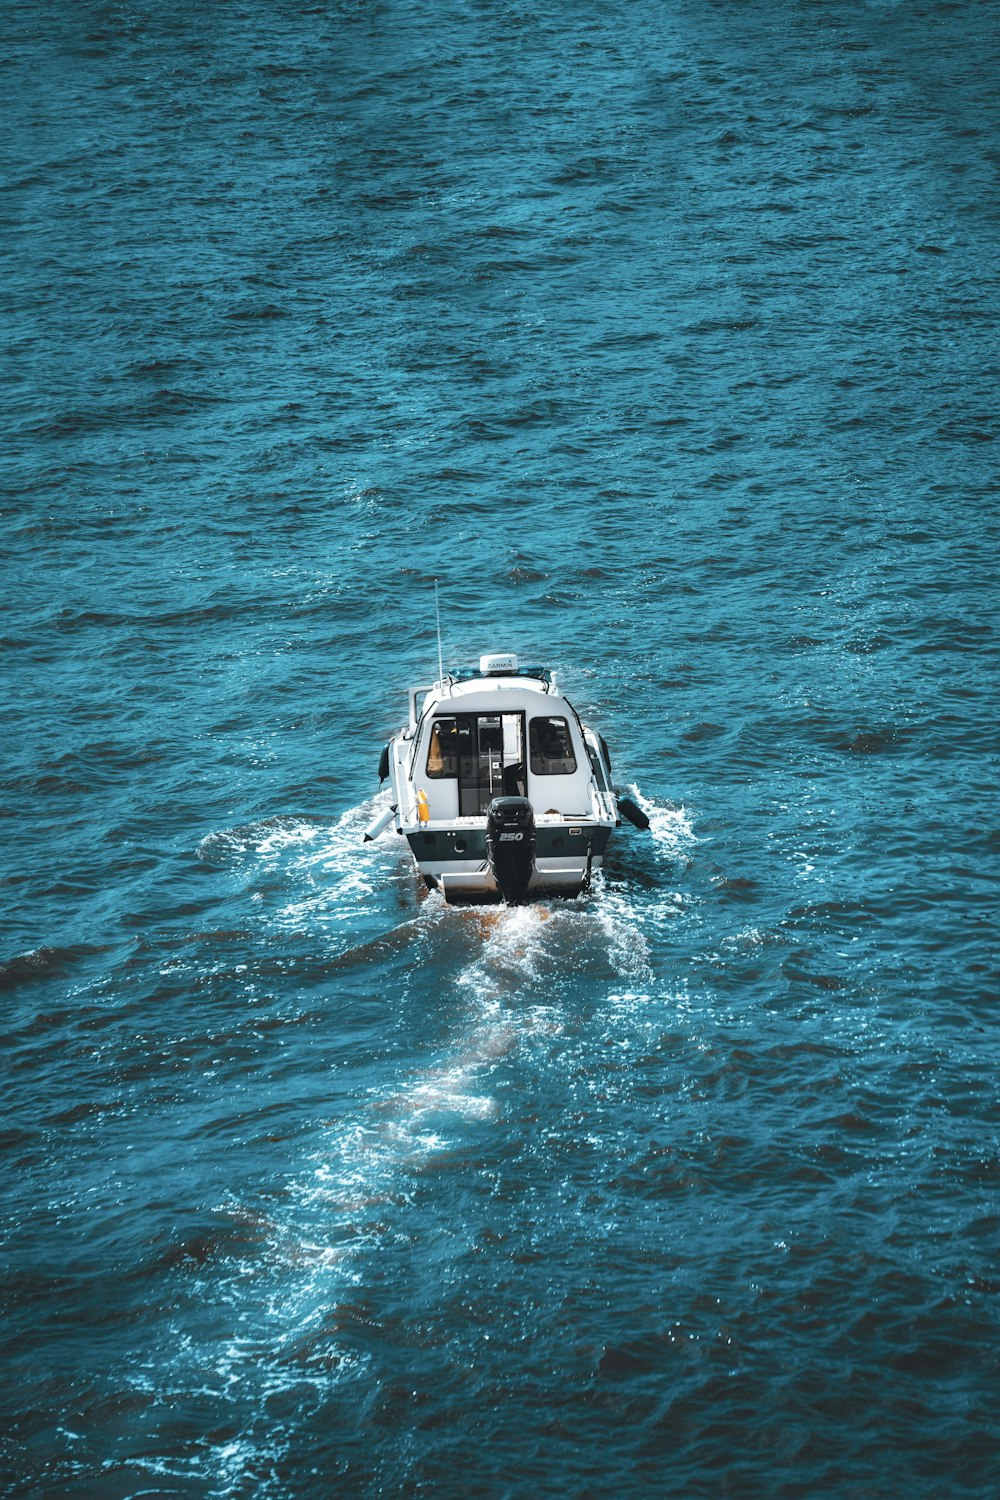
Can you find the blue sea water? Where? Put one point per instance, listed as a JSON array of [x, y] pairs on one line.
[[664, 335]]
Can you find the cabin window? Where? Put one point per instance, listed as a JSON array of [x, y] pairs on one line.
[[450, 738], [550, 748]]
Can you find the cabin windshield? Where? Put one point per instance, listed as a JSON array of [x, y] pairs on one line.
[[483, 752]]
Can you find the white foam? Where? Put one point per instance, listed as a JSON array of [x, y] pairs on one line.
[[622, 924], [670, 828], [288, 837], [341, 873], [272, 836]]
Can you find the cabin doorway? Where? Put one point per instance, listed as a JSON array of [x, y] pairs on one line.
[[494, 765], [484, 753]]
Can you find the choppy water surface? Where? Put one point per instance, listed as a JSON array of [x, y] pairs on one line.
[[664, 335]]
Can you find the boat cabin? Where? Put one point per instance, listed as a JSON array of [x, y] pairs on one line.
[[473, 745]]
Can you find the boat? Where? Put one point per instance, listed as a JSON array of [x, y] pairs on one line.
[[500, 790]]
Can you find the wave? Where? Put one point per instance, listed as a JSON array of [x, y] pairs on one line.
[[260, 839], [46, 962], [670, 827]]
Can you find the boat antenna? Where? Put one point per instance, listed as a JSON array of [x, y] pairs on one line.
[[437, 613]]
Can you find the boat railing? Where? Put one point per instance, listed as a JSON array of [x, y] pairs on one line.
[[415, 692], [536, 674]]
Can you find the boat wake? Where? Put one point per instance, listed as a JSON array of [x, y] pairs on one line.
[[306, 874], [507, 993]]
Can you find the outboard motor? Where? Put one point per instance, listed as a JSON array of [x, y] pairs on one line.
[[510, 845]]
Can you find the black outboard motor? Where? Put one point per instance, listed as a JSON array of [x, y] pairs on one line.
[[510, 845]]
